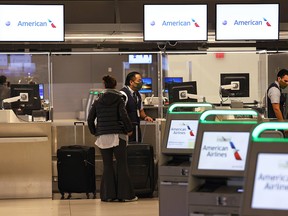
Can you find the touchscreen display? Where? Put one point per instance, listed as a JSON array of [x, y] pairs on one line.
[[223, 151], [182, 134], [271, 182]]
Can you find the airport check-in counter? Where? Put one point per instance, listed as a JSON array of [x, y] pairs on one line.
[[25, 158], [217, 169], [175, 157], [66, 133]]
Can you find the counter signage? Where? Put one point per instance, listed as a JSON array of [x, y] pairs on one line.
[[247, 21], [31, 23], [175, 22]]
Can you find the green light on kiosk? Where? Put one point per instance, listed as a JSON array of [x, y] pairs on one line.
[[269, 126], [227, 112], [173, 106], [96, 92]]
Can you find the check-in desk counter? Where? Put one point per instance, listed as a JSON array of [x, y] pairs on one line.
[[25, 160], [64, 133]]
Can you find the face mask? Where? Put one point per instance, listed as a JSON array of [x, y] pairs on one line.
[[282, 84], [138, 86]]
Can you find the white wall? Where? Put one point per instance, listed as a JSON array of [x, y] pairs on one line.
[[206, 70]]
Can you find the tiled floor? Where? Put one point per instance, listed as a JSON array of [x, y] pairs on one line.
[[78, 207]]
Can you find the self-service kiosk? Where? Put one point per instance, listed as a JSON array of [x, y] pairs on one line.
[[175, 157], [266, 173], [218, 162]]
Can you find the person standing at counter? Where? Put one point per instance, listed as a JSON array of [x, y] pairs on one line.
[[275, 97], [133, 101], [111, 130], [4, 90]]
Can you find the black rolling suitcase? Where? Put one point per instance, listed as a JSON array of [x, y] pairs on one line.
[[140, 159], [76, 169]]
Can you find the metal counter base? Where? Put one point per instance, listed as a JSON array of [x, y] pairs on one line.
[[25, 160]]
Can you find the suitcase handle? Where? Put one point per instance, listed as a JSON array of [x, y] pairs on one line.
[[83, 131], [78, 123]]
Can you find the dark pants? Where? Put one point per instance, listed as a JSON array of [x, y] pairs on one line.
[[132, 138], [116, 185]]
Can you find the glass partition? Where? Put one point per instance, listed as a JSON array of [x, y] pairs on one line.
[[28, 68], [223, 77]]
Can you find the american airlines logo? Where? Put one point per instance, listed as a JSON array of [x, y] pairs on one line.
[[33, 23], [249, 22], [233, 147]]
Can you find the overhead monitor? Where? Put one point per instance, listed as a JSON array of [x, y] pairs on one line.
[[170, 80], [177, 92], [235, 84], [178, 22], [147, 85], [221, 147], [32, 23], [140, 59], [181, 129], [32, 102], [247, 22], [266, 185]]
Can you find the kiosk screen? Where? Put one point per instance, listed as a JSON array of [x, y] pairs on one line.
[[182, 134], [223, 151], [270, 188]]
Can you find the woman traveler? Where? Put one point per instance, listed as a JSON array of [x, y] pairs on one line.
[[111, 130]]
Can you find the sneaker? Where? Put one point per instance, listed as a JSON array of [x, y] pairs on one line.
[[130, 200], [109, 200]]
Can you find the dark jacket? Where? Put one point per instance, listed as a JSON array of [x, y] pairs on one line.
[[132, 106], [110, 114]]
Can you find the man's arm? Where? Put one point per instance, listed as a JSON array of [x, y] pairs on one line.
[[144, 116], [277, 111]]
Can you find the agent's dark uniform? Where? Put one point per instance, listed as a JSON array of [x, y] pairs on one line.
[[133, 107]]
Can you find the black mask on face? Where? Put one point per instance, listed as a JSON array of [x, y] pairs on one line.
[[138, 86]]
